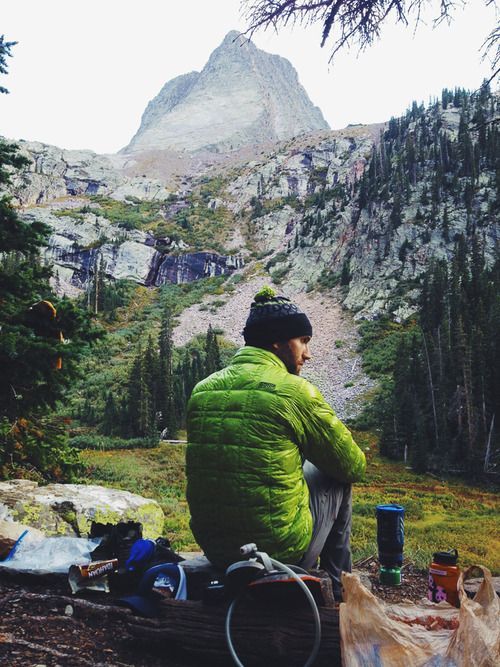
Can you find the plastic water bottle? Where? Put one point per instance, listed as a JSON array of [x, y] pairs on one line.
[[443, 577]]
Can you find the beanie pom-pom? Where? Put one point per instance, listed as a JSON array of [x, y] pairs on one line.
[[264, 294]]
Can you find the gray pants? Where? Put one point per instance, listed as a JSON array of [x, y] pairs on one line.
[[331, 508]]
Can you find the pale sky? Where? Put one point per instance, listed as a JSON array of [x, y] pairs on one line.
[[84, 71]]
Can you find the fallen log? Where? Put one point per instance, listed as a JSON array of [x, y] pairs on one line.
[[262, 635], [190, 630]]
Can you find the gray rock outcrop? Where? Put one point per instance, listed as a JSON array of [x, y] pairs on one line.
[[193, 266], [242, 96], [79, 242], [54, 173], [69, 509]]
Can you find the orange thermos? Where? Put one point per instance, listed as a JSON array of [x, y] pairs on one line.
[[443, 577]]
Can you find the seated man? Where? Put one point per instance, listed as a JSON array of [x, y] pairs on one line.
[[267, 459]]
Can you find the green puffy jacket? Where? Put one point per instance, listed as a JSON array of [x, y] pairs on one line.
[[250, 426]]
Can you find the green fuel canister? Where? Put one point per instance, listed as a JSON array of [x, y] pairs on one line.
[[390, 576]]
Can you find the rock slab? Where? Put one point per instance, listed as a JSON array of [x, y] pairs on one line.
[[69, 509]]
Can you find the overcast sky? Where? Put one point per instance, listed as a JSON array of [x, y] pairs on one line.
[[83, 72]]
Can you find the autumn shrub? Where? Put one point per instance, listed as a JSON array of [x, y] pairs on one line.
[[38, 449]]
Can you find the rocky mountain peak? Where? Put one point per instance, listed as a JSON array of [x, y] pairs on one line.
[[242, 96], [234, 36]]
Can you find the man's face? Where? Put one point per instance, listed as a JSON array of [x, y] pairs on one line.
[[293, 353]]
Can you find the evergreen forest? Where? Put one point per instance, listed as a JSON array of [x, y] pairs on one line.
[[439, 399]]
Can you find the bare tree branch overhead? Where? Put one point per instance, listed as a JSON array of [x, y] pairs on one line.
[[355, 22]]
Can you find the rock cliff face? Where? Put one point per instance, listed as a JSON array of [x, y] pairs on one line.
[[367, 212], [54, 172], [242, 96], [364, 210], [192, 266], [79, 242]]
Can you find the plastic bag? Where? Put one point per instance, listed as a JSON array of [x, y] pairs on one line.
[[420, 635], [10, 534], [49, 555], [476, 643]]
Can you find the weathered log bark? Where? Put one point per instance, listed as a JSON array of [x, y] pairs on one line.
[[83, 608], [262, 636]]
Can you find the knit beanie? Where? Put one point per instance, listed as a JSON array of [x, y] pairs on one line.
[[274, 318]]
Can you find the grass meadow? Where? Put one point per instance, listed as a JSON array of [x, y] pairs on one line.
[[440, 514]]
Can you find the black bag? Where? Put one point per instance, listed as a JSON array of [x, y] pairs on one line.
[[117, 540]]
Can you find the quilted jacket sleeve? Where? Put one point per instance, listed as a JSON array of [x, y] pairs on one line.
[[323, 438]]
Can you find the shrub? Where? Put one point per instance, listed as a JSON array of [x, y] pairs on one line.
[[328, 279], [218, 303], [379, 344], [278, 275], [277, 259], [38, 449], [104, 442]]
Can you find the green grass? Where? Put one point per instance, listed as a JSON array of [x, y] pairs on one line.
[[130, 214], [440, 514], [153, 473]]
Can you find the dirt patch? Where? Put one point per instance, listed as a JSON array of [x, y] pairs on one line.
[[413, 581]]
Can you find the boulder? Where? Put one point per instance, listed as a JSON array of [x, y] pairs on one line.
[[69, 509]]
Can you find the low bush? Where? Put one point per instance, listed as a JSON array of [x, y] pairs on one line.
[[104, 442], [37, 448], [278, 275], [328, 279]]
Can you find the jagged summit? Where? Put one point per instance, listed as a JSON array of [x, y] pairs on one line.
[[242, 96]]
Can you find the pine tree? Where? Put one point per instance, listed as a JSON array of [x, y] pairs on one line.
[[96, 288], [197, 369], [166, 398], [140, 420], [446, 224], [35, 367], [110, 423], [151, 372], [134, 396], [395, 218], [30, 341], [212, 352]]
